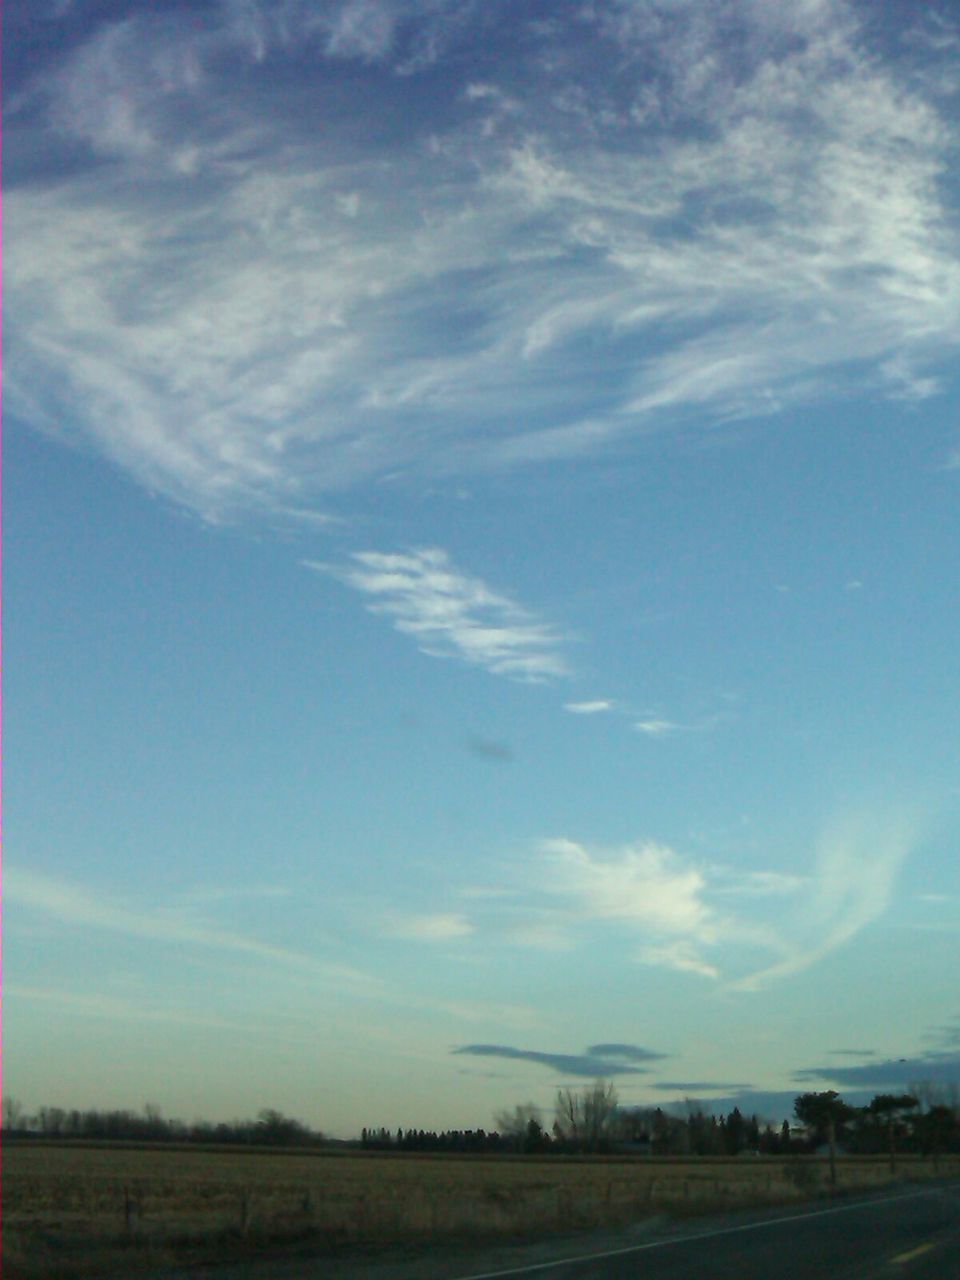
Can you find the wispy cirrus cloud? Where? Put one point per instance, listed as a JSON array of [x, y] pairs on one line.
[[179, 924], [73, 904], [652, 724], [248, 311], [755, 884], [145, 1009], [451, 614], [855, 873]]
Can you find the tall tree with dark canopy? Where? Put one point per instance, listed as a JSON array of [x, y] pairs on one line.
[[825, 1113], [892, 1107]]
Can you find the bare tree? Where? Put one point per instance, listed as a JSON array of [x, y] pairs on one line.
[[587, 1118], [52, 1121], [935, 1093], [12, 1115]]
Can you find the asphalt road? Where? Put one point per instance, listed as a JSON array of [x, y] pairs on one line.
[[913, 1233]]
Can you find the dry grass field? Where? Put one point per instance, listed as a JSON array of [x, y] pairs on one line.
[[72, 1211]]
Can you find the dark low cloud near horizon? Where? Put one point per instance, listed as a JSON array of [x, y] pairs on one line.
[[770, 1106], [937, 1068], [597, 1061], [632, 1052]]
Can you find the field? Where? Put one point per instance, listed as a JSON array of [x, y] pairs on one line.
[[71, 1211]]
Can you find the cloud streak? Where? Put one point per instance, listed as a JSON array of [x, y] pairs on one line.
[[97, 1005], [72, 904], [450, 614], [598, 1061]]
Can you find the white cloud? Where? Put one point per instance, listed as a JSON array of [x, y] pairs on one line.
[[594, 708], [682, 956], [647, 887], [243, 314], [362, 29], [431, 928], [705, 918], [646, 884], [450, 614], [655, 727]]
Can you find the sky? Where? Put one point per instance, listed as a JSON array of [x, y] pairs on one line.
[[482, 506]]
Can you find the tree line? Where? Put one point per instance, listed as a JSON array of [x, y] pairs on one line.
[[462, 1140], [925, 1121], [270, 1128]]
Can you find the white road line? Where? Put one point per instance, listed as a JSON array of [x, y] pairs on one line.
[[703, 1235], [909, 1256]]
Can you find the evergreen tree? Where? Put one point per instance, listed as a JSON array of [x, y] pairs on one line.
[[736, 1132], [753, 1134]]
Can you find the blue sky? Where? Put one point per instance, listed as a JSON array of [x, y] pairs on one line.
[[481, 515]]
